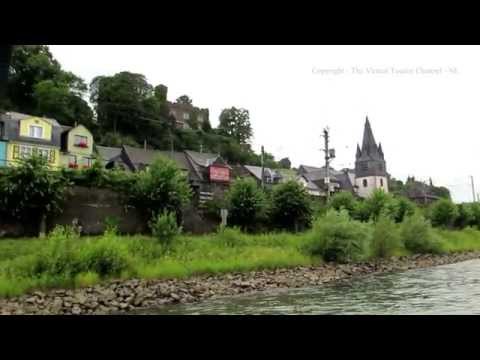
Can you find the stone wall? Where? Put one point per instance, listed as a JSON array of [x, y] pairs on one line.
[[92, 207]]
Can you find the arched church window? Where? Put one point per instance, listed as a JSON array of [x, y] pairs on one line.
[[381, 182], [365, 183]]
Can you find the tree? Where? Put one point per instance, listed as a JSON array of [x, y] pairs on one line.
[[126, 103], [247, 204], [343, 200], [39, 86], [291, 207], [443, 213], [31, 191], [162, 187], [285, 163], [184, 99], [235, 123]]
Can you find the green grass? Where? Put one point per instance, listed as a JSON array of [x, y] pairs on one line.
[[61, 261]]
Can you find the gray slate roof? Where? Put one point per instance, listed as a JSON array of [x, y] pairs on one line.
[[108, 153], [257, 172]]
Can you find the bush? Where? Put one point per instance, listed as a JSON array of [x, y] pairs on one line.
[[361, 211], [475, 210], [405, 208], [247, 204], [443, 213], [386, 238], [105, 257], [31, 190], [291, 207], [336, 237], [465, 216], [164, 228], [417, 236], [379, 203], [343, 200], [161, 187]]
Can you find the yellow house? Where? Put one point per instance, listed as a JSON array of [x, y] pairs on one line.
[[77, 147], [28, 135]]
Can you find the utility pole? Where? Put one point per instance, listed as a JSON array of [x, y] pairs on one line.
[[473, 188], [329, 154], [263, 169]]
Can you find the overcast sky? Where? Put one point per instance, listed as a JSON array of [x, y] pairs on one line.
[[423, 102]]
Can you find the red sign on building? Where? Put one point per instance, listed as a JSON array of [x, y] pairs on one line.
[[219, 173]]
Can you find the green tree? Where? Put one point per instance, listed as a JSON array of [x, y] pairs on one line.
[[465, 216], [381, 202], [126, 103], [39, 86], [443, 213], [343, 200], [291, 206], [161, 187], [247, 205], [235, 123], [31, 191]]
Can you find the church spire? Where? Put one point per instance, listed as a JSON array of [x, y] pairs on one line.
[[359, 153], [369, 145]]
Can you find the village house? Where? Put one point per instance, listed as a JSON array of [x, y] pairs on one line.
[[208, 174], [76, 147], [22, 136], [27, 135]]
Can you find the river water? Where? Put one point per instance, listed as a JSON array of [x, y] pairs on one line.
[[447, 289]]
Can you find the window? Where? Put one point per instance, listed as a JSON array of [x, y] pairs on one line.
[[36, 131], [200, 118], [381, 182], [81, 141], [186, 116], [365, 183]]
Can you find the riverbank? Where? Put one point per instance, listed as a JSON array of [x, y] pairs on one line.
[[124, 296]]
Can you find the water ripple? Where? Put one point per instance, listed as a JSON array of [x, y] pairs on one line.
[[447, 289]]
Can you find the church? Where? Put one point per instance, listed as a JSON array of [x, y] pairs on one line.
[[370, 171]]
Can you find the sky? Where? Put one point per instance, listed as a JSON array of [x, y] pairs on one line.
[[422, 101]]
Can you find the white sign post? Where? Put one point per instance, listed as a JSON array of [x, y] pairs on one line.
[[224, 215]]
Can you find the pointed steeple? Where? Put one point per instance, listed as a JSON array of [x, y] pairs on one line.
[[359, 153], [369, 146], [380, 150]]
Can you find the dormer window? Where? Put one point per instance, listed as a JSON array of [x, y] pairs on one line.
[[36, 132]]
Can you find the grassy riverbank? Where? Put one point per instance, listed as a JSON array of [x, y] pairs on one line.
[[64, 260]]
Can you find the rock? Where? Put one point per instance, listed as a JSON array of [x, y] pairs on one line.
[[76, 310], [31, 300]]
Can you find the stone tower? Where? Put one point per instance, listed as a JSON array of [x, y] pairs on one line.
[[370, 165]]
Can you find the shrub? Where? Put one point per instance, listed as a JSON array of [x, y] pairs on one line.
[[475, 210], [31, 190], [290, 207], [111, 225], [417, 236], [386, 238], [164, 228], [343, 200], [443, 213], [336, 237], [247, 204], [465, 216], [405, 208], [361, 211], [161, 187], [105, 256], [380, 202]]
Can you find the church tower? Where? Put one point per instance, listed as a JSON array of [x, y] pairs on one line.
[[370, 165]]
